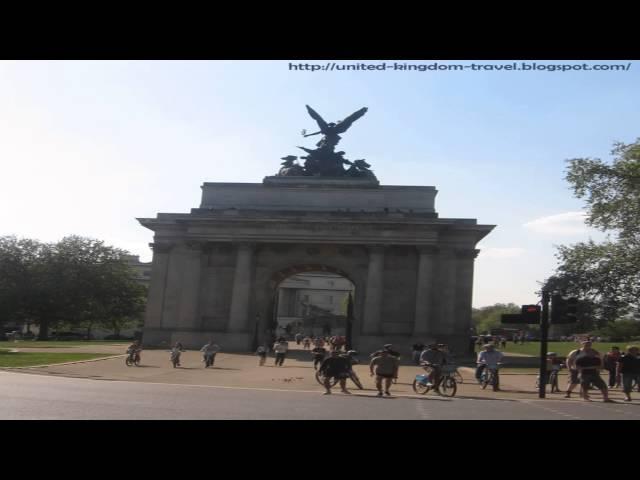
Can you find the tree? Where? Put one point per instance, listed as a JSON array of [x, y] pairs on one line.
[[18, 258], [76, 281], [607, 274], [487, 318]]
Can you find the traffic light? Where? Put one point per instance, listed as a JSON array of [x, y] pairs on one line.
[[531, 313], [564, 310], [572, 310]]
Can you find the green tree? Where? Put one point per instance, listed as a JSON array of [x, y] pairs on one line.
[[18, 258], [76, 281], [606, 274], [487, 318]]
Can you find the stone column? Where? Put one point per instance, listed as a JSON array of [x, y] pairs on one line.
[[158, 284], [424, 318], [464, 293], [239, 315], [189, 316], [448, 264], [371, 323]]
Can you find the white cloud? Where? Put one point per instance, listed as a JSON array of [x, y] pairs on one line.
[[507, 252], [569, 223]]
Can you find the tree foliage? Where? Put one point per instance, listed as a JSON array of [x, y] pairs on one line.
[[606, 274], [76, 281], [487, 318]]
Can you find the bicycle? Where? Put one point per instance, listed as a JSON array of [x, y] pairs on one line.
[[133, 358], [552, 379], [490, 377], [446, 385], [320, 378]]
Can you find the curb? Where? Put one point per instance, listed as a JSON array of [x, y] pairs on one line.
[[65, 363]]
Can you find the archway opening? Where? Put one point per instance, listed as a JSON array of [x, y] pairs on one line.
[[313, 301]]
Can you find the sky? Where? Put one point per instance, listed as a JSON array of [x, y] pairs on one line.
[[86, 147]]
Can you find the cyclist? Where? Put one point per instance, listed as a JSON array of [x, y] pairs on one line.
[[136, 348], [209, 352], [335, 366], [432, 359], [490, 357]]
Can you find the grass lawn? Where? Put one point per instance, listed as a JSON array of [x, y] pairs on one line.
[[61, 344], [28, 359], [561, 348]]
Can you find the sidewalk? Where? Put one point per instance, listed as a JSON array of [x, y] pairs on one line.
[[235, 370]]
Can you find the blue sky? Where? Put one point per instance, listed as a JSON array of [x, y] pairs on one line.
[[86, 147]]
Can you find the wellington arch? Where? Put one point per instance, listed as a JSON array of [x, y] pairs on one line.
[[216, 269]]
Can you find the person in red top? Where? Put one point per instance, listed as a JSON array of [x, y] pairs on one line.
[[610, 364]]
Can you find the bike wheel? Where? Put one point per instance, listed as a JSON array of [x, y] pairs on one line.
[[420, 388], [354, 378], [137, 362], [128, 362], [320, 379], [448, 387], [484, 381]]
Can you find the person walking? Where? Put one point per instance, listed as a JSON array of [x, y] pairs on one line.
[[610, 362], [416, 352], [280, 348], [589, 365], [298, 338], [319, 353], [629, 369], [386, 369], [262, 354]]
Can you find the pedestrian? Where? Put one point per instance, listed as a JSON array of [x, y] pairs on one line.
[[574, 379], [306, 343], [589, 364], [610, 362], [262, 354], [318, 356], [629, 369], [280, 348], [298, 338], [336, 366], [386, 369], [504, 342], [416, 352]]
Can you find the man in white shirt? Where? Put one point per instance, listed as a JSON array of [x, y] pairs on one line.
[[280, 348], [488, 357]]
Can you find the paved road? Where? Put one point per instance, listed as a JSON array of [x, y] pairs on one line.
[[28, 396]]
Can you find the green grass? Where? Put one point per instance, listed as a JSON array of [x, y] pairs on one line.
[[28, 359], [561, 348], [60, 344]]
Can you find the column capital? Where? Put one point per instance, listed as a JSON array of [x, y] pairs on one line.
[[427, 249], [376, 248], [466, 253], [162, 247], [245, 246], [195, 245]]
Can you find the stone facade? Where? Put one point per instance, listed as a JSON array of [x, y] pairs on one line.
[[216, 270]]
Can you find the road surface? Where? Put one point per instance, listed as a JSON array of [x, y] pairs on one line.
[[29, 396]]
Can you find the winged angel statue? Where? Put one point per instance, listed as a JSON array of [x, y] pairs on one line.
[[324, 161]]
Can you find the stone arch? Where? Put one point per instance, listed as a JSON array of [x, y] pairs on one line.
[[266, 296]]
